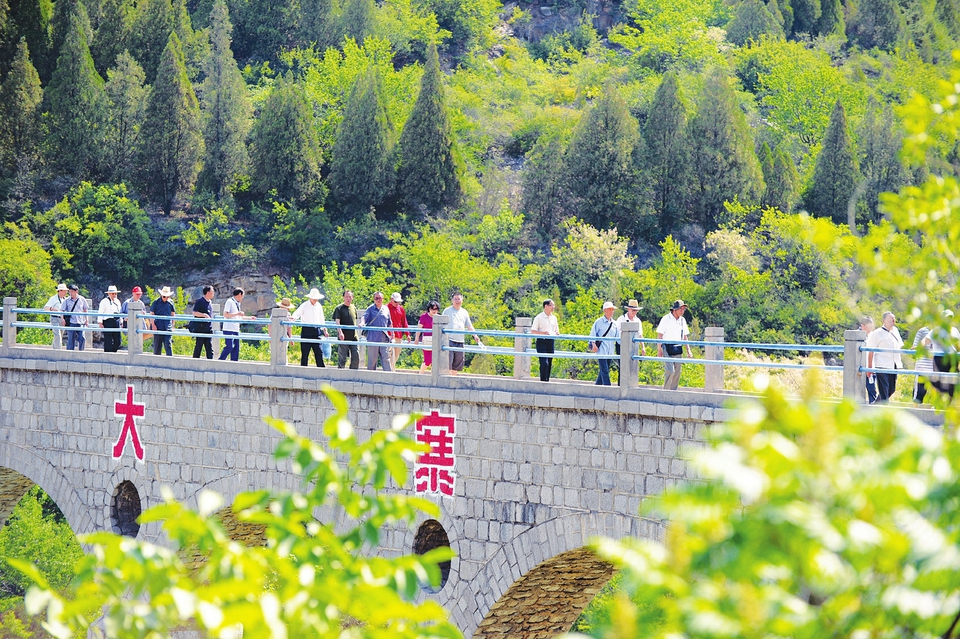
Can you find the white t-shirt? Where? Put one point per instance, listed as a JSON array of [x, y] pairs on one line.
[[108, 305], [459, 321], [673, 328], [231, 306], [882, 338], [309, 313], [546, 323]]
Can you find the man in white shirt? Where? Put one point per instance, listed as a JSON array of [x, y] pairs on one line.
[[110, 304], [886, 337], [459, 321], [53, 304], [546, 324], [231, 310], [673, 329], [632, 308], [311, 312]]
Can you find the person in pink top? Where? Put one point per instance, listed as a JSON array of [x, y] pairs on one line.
[[426, 321], [398, 316]]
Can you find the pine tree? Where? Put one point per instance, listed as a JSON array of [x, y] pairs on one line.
[[31, 21], [63, 12], [752, 19], [831, 22], [357, 19], [172, 142], [112, 36], [723, 162], [428, 174], [284, 149], [76, 105], [805, 15], [541, 183], [836, 175], [877, 23], [319, 23], [782, 185], [666, 150], [227, 111], [151, 32], [361, 170], [126, 104], [774, 8], [20, 100], [767, 163], [880, 142]]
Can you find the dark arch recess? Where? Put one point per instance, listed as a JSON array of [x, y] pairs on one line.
[[431, 535], [125, 508], [547, 600]]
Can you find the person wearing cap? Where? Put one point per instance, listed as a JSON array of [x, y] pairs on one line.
[[232, 311], [345, 316], [311, 312], [377, 316], [162, 307], [110, 304], [135, 296], [75, 303], [54, 304], [604, 328], [202, 309], [673, 329], [459, 321], [546, 324], [398, 316], [630, 315]]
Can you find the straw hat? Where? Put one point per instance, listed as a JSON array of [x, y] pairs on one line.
[[315, 294], [165, 292]]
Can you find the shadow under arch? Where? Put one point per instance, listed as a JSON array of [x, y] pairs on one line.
[[21, 469]]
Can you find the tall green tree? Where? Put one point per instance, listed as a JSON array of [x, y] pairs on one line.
[[877, 23], [880, 139], [542, 179], [172, 141], [783, 183], [805, 15], [667, 154], [150, 35], [361, 170], [20, 101], [76, 103], [428, 173], [227, 112], [357, 19], [112, 36], [126, 110], [63, 12], [723, 163], [752, 19], [284, 149], [836, 175], [31, 21], [319, 23], [831, 20]]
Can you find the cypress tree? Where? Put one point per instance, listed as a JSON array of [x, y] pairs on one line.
[[76, 105], [750, 20], [723, 162], [318, 23], [357, 19], [836, 176], [20, 100], [541, 183], [782, 185], [361, 168], [227, 111], [774, 8], [428, 174], [831, 19], [151, 33], [805, 15], [63, 11], [767, 167], [877, 23], [126, 104], [172, 142], [284, 149], [112, 36], [880, 143], [31, 21], [666, 151]]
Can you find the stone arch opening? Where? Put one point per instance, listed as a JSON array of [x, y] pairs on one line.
[[431, 535], [125, 509], [13, 486], [548, 599]]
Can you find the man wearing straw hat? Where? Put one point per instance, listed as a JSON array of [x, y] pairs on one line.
[[110, 304], [603, 328], [311, 312], [54, 304], [632, 308], [75, 303], [162, 307], [673, 328]]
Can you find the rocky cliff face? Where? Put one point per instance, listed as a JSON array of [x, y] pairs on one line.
[[258, 300], [554, 17]]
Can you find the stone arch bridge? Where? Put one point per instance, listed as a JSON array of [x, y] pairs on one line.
[[540, 468]]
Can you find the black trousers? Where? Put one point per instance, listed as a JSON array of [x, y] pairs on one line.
[[546, 363], [203, 344], [886, 386], [111, 341], [310, 332]]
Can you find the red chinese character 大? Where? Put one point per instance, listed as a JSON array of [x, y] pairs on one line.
[[433, 471], [129, 410]]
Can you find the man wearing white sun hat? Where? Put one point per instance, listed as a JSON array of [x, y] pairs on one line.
[[110, 304]]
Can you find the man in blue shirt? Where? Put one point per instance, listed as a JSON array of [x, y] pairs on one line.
[[377, 315], [162, 307], [604, 328]]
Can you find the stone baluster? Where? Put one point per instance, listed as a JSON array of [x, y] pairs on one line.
[[713, 373], [134, 339], [854, 382], [629, 370], [278, 347], [521, 363], [441, 359], [9, 317]]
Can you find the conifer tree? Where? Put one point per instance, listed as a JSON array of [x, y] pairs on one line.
[[76, 104], [112, 36], [172, 142], [805, 15], [877, 23], [20, 100], [151, 33], [31, 21], [542, 196], [284, 150], [767, 162], [750, 20], [319, 23], [831, 20], [836, 175], [667, 158], [63, 11], [781, 191], [774, 8], [357, 19], [723, 162], [227, 111], [361, 170], [428, 174], [8, 48], [880, 143], [126, 105]]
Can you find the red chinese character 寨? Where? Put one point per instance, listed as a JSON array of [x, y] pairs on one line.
[[433, 472]]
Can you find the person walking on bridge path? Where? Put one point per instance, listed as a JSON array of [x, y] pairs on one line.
[[110, 304], [311, 312], [75, 303], [459, 321], [377, 316], [54, 304], [673, 329], [886, 337], [546, 324], [162, 307], [604, 327]]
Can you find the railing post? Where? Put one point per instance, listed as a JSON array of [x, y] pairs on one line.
[[278, 348], [713, 373], [217, 329], [134, 339], [9, 317], [441, 359], [854, 383], [521, 363], [629, 371]]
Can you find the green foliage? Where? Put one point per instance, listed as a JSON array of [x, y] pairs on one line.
[[752, 19], [172, 143], [309, 580], [782, 184], [880, 140], [113, 33], [836, 177], [126, 103], [30, 20], [831, 21], [356, 21], [301, 237], [469, 22], [877, 23], [20, 100], [318, 26], [151, 33], [25, 271], [210, 237], [587, 257], [806, 15], [666, 155]]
